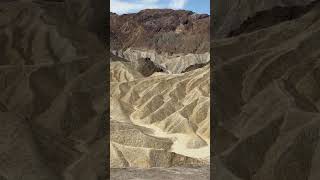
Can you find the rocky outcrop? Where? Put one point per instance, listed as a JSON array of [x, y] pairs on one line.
[[142, 67], [230, 14], [172, 40], [271, 17], [173, 63]]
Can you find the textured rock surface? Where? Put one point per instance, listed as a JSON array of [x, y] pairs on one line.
[[267, 101], [162, 30], [174, 40], [161, 120], [160, 116], [228, 15], [52, 84], [175, 63]]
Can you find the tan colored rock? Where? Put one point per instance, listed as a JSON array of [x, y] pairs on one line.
[[160, 115]]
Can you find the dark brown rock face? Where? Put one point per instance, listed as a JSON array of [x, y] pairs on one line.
[[276, 15], [267, 97], [52, 89], [164, 30], [228, 15]]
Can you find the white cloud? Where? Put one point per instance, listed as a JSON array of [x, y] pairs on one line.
[[124, 6], [177, 4], [149, 1]]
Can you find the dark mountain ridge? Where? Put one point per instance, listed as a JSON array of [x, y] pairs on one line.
[[163, 30]]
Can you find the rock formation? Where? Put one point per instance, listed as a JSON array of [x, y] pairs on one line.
[[52, 84], [170, 38], [160, 107], [157, 107], [162, 30], [228, 15], [266, 117]]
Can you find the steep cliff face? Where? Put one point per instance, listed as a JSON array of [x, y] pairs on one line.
[[266, 121]]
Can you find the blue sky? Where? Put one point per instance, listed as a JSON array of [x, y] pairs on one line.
[[130, 6]]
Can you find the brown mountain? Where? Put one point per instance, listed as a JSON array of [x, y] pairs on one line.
[[163, 30]]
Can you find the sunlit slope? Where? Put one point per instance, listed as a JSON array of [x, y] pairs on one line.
[[160, 120]]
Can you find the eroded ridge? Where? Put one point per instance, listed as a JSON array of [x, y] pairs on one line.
[[164, 118]]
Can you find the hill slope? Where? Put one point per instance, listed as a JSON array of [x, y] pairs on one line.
[[267, 101]]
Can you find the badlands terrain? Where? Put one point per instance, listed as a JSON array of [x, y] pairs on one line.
[[266, 90], [53, 81], [159, 95]]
